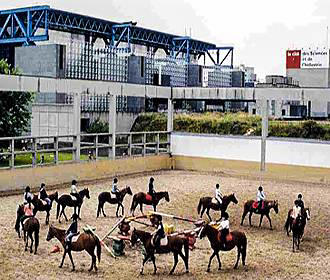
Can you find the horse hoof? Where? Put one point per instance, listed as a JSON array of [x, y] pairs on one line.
[[25, 249], [219, 268], [141, 272], [187, 271], [208, 270], [60, 266], [35, 253], [235, 267]]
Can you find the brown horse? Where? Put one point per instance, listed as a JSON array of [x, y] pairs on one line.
[[238, 239], [85, 241], [175, 245], [40, 206], [66, 200], [106, 197], [140, 198], [288, 224], [205, 203], [268, 204], [30, 226]]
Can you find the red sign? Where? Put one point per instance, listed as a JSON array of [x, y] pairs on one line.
[[293, 59]]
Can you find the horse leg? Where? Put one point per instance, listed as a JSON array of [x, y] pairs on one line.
[[141, 209], [238, 256], [69, 253], [250, 215], [243, 217], [143, 263], [122, 209], [79, 212], [211, 258], [270, 221], [186, 260], [261, 217], [293, 240], [93, 261], [66, 218], [208, 214], [203, 210], [154, 262], [47, 218], [117, 210], [64, 254], [175, 254], [155, 206], [26, 240], [31, 245], [219, 261]]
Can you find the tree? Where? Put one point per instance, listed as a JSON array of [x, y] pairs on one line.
[[15, 110]]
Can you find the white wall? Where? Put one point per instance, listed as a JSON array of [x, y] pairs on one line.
[[282, 151]]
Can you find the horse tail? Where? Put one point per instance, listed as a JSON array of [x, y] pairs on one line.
[[58, 210], [244, 248], [287, 222], [186, 249], [98, 209], [133, 205], [199, 207], [98, 247], [36, 235]]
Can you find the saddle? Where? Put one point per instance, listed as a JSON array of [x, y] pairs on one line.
[[75, 237], [73, 197], [215, 201], [229, 237], [255, 205], [148, 197], [163, 241], [112, 195]]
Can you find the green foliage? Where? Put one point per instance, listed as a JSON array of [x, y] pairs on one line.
[[98, 127], [232, 124], [6, 68]]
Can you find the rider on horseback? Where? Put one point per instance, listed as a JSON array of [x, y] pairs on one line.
[[27, 195], [74, 190], [301, 202], [260, 198], [224, 225], [115, 189], [296, 210], [151, 190], [43, 194], [72, 231], [218, 194], [159, 233], [28, 210]]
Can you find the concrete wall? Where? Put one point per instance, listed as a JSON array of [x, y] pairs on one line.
[[52, 119], [317, 78], [280, 151], [17, 179], [41, 61], [136, 71]]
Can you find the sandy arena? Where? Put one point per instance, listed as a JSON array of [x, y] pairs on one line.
[[269, 253]]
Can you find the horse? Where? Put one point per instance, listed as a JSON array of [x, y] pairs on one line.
[[30, 226], [40, 206], [141, 198], [106, 197], [298, 227], [238, 239], [86, 241], [268, 204], [66, 200], [205, 203], [288, 224], [174, 245]]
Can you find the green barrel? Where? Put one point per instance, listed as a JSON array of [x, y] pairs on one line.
[[118, 247]]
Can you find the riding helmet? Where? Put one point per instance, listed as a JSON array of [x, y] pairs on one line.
[[115, 180], [152, 179], [27, 189], [217, 186], [300, 195], [74, 182], [260, 188]]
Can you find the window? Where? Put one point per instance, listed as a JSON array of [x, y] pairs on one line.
[[283, 112]]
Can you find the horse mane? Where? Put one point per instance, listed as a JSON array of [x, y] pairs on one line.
[[161, 193]]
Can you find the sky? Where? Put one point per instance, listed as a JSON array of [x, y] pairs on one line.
[[259, 30]]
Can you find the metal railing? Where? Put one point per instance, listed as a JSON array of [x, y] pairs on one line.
[[31, 151]]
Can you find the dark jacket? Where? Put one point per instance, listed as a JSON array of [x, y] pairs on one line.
[[73, 228], [151, 189], [43, 194], [301, 204]]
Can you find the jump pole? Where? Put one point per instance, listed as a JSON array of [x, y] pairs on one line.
[[113, 228], [172, 216]]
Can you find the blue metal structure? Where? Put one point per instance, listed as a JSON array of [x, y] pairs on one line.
[[32, 24]]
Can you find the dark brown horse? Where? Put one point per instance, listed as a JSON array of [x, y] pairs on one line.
[[238, 239], [30, 226], [268, 204], [85, 241], [66, 200], [288, 224], [140, 198], [106, 197], [39, 205], [175, 245], [205, 203]]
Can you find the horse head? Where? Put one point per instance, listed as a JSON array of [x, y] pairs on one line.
[[20, 210], [128, 190], [84, 192], [51, 233], [275, 206], [202, 231], [167, 197], [56, 196], [233, 198], [134, 237]]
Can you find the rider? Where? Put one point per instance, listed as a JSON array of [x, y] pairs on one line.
[[301, 202], [260, 198], [115, 189], [27, 195], [224, 225], [74, 191], [43, 194], [218, 194], [151, 190], [72, 231], [28, 210], [159, 233]]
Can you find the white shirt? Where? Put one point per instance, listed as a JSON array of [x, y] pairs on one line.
[[224, 224], [28, 195], [260, 196], [74, 189], [218, 194]]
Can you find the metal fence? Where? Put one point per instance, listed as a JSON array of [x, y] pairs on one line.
[[16, 152]]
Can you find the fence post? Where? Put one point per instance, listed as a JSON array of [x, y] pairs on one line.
[[96, 145], [144, 144], [130, 145], [77, 120], [264, 132], [56, 150], [12, 160], [157, 146], [34, 152], [112, 121]]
